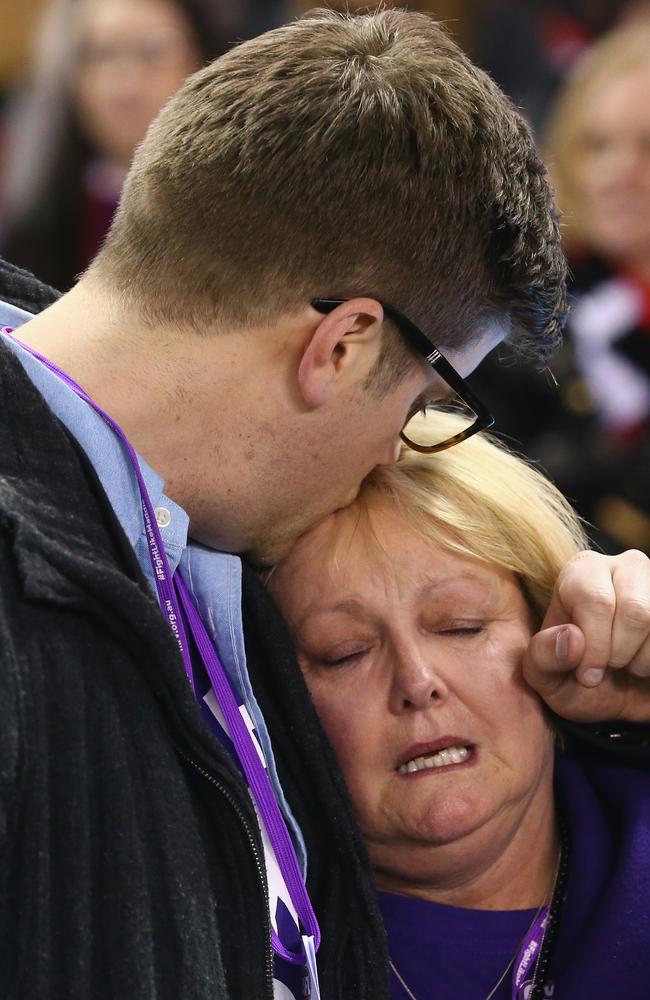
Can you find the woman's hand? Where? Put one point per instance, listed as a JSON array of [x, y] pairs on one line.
[[590, 661]]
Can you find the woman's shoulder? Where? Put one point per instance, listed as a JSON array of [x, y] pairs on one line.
[[609, 786]]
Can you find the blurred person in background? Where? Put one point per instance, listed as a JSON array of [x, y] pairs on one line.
[[591, 431], [530, 46], [105, 68], [599, 149]]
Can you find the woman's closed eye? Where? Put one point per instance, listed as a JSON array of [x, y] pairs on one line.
[[341, 656], [461, 630]]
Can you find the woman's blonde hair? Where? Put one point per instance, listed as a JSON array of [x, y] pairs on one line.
[[618, 53], [480, 500]]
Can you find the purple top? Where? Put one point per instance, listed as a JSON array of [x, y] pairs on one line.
[[445, 952], [603, 945]]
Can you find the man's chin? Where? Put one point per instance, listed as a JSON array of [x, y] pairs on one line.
[[259, 552], [259, 560], [268, 552]]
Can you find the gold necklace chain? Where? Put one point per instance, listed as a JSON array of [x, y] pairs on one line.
[[411, 995]]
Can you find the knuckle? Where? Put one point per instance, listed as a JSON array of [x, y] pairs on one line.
[[583, 578], [567, 567], [576, 561], [637, 558], [635, 613], [600, 600]]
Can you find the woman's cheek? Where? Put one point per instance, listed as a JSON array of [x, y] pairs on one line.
[[344, 717], [330, 707]]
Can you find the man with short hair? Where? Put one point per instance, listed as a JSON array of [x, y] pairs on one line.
[[304, 221]]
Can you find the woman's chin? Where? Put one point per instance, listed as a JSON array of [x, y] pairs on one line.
[[440, 820], [449, 819]]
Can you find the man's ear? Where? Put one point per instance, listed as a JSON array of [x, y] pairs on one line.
[[341, 345]]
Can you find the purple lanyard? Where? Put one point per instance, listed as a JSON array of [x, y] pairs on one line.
[[173, 596], [523, 972]]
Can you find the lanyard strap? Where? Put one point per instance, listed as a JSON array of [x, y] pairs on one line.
[[256, 775], [173, 595], [526, 959], [157, 554]]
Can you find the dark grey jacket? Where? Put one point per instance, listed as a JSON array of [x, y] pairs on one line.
[[129, 851]]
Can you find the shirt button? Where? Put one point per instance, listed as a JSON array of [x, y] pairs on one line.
[[163, 517]]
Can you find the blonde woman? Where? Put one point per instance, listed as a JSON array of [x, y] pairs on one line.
[[591, 430], [506, 867], [599, 149]]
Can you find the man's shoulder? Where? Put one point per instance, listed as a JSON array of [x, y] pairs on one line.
[[20, 290]]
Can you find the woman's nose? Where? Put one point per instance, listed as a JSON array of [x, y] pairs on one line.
[[417, 682]]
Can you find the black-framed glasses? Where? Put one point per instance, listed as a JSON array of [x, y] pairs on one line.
[[419, 429]]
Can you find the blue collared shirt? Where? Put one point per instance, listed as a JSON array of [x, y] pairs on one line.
[[213, 578]]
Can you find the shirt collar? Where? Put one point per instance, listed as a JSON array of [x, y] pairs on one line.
[[108, 456]]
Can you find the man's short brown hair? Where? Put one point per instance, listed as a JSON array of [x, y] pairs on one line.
[[342, 155]]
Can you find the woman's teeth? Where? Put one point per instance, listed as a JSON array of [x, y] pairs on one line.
[[450, 755]]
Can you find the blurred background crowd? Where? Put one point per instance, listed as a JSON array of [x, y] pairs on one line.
[[81, 79]]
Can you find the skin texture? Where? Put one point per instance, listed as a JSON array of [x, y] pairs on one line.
[[597, 666], [267, 431], [611, 168], [259, 434], [404, 643], [134, 54]]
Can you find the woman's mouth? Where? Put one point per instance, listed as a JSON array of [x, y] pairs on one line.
[[451, 755]]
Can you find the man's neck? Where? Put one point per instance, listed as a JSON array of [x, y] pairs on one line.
[[149, 381], [193, 405]]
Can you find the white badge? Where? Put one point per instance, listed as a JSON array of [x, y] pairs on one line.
[[310, 955]]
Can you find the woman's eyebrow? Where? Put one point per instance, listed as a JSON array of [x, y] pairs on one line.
[[450, 580], [356, 606], [353, 606]]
